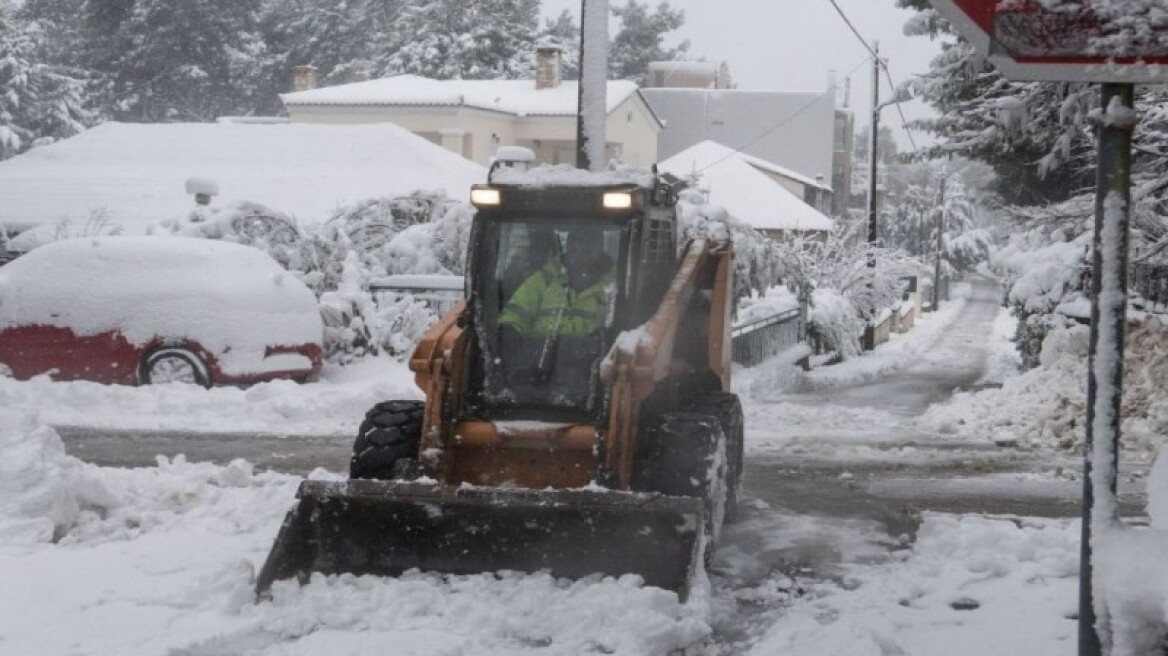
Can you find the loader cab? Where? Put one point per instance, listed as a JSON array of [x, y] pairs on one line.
[[556, 273]]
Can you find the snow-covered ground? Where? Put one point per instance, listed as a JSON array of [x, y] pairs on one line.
[[157, 560]]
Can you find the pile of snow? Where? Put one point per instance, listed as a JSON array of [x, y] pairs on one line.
[[331, 406], [145, 561], [43, 491], [1045, 407]]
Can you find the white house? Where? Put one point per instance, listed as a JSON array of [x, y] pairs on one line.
[[749, 191], [474, 117], [134, 175]]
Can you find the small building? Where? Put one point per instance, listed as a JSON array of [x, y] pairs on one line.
[[689, 75], [750, 190], [474, 117]]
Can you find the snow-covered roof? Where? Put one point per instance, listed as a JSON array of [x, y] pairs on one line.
[[748, 194], [134, 174], [786, 172], [518, 97]]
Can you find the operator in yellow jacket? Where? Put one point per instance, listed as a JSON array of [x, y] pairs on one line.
[[567, 298]]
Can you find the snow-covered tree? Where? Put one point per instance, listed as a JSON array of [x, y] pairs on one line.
[[641, 38], [39, 102], [452, 39], [189, 61]]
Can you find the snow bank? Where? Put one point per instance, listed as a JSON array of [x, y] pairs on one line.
[[333, 405], [158, 559], [1046, 407], [42, 490]]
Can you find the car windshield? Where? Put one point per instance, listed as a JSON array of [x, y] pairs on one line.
[[547, 313]]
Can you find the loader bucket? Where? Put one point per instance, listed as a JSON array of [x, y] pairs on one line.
[[385, 528]]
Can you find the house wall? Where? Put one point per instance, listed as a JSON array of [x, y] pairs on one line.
[[792, 129], [631, 129]]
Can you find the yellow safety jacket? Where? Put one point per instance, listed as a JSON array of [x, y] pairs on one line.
[[533, 308]]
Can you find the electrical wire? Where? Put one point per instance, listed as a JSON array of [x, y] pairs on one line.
[[883, 65], [778, 125]]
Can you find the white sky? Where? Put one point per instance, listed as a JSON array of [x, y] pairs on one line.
[[789, 46]]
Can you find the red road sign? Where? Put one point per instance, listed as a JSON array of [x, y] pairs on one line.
[[1067, 41]]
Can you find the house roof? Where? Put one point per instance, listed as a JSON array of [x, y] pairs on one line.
[[736, 183], [518, 97], [134, 174], [785, 172]]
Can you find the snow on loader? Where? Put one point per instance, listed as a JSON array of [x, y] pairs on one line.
[[577, 416]]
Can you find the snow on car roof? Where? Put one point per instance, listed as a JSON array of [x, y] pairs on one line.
[[225, 296], [135, 175]]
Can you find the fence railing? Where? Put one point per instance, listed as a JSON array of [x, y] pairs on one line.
[[1151, 282], [758, 340]]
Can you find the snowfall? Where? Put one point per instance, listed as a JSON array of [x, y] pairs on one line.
[[162, 559]]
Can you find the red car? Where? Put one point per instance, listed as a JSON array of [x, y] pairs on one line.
[[135, 310]]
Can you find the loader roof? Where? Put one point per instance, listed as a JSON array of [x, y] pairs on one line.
[[563, 175]]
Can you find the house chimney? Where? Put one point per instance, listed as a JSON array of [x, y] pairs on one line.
[[303, 78], [547, 65]]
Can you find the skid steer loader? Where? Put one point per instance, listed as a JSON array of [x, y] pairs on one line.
[[577, 415]]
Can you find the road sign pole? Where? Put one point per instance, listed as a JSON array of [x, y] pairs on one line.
[[1108, 318]]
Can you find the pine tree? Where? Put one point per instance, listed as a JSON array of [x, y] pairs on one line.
[[40, 103], [453, 39], [640, 40], [167, 60]]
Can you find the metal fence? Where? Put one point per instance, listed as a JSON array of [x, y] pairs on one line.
[[1151, 282], [758, 340]]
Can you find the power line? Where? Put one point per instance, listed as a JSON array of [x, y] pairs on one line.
[[883, 65], [871, 51]]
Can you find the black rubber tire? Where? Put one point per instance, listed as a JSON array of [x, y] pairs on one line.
[[387, 442], [674, 455], [728, 409], [180, 356]]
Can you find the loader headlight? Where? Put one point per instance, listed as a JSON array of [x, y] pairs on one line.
[[481, 197], [616, 200]]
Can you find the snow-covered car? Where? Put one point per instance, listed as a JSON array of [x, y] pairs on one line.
[[136, 310]]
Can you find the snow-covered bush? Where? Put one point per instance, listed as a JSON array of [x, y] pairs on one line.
[[757, 262], [834, 324]]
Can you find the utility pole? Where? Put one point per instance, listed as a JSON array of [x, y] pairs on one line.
[[1105, 359], [873, 154], [592, 110], [940, 247]]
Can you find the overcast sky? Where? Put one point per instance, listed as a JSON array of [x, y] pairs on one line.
[[793, 44]]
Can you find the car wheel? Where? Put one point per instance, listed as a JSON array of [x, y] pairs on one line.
[[173, 365]]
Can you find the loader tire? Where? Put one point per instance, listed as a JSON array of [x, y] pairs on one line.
[[728, 409], [674, 457], [387, 441]]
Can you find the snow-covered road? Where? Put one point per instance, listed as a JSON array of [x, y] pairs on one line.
[[865, 531]]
